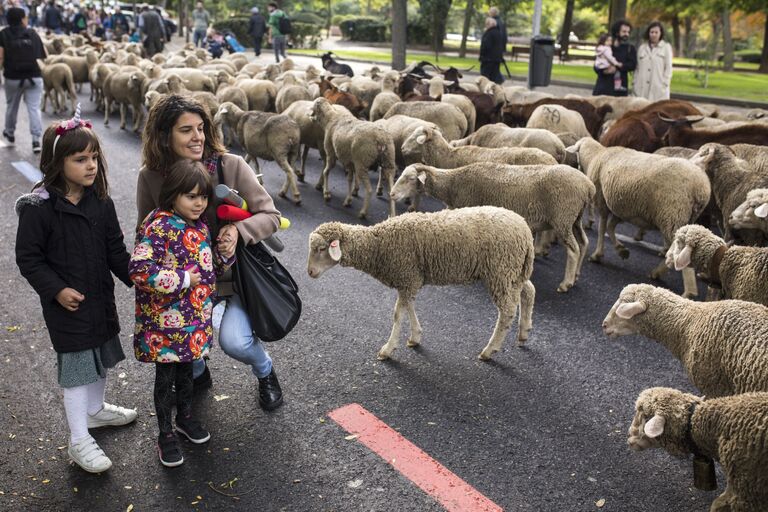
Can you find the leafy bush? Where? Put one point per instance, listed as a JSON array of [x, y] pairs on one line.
[[363, 29], [752, 56], [419, 31], [305, 35], [308, 17]]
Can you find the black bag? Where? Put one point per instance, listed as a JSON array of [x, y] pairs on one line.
[[269, 294], [20, 54], [284, 24]]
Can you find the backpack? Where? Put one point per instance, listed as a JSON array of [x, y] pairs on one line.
[[20, 55], [284, 24]]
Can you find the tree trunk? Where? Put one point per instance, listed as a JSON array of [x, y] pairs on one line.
[[690, 38], [764, 57], [727, 39], [676, 35], [567, 26], [618, 11], [465, 31], [399, 25]]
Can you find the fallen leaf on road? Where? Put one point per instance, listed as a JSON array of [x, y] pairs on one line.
[[599, 503], [46, 481], [297, 481], [121, 375], [12, 328], [219, 398], [199, 497], [354, 484], [130, 508], [74, 489], [351, 437], [127, 487]]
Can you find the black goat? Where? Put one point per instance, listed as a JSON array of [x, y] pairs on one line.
[[330, 64]]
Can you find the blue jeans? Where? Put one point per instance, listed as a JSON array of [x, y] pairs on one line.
[[32, 92], [199, 36], [278, 42], [238, 342]]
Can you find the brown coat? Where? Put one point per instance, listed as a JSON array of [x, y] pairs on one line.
[[237, 175]]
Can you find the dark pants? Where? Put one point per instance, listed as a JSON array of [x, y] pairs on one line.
[[168, 375], [490, 70], [257, 45], [153, 45]]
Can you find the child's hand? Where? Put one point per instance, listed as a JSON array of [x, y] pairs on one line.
[[70, 299], [194, 276], [619, 65]]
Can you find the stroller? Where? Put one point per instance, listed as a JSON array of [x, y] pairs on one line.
[[217, 43]]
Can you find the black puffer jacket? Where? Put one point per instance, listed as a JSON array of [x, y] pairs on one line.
[[60, 245]]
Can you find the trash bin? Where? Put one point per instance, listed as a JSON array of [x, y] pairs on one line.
[[540, 63]]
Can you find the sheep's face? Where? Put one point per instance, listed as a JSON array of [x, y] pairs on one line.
[[413, 147], [646, 427], [753, 212], [409, 184], [661, 419], [620, 319], [323, 254], [679, 253]]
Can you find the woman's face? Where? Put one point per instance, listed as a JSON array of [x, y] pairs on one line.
[[188, 137], [654, 35]]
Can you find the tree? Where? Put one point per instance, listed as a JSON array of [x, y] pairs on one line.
[[468, 14], [727, 39], [618, 11], [435, 14], [399, 26], [751, 6], [567, 26]]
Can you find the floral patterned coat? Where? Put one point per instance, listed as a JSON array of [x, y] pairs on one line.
[[173, 322]]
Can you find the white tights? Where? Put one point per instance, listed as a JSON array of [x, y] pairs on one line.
[[79, 402]]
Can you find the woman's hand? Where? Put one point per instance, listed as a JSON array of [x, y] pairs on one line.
[[70, 299], [227, 240]]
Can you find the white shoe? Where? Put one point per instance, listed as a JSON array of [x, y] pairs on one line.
[[89, 456], [111, 415]]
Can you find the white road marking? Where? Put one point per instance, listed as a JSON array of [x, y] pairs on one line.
[[28, 170]]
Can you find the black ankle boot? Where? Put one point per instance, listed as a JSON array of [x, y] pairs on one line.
[[270, 394], [202, 382]]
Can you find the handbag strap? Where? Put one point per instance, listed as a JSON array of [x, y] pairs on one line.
[[219, 171]]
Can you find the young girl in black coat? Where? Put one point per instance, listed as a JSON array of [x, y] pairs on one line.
[[68, 245]]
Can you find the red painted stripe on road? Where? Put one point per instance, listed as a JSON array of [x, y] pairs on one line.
[[449, 490]]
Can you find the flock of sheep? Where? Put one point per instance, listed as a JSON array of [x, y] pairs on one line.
[[511, 164]]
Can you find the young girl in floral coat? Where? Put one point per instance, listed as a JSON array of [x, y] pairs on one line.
[[174, 266]]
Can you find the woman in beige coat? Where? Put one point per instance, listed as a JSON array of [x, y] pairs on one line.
[[654, 65]]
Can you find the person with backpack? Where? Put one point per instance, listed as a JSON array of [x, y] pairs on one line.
[[79, 22], [20, 47], [279, 27]]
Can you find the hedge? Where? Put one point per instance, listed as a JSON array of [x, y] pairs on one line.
[[305, 35], [364, 29]]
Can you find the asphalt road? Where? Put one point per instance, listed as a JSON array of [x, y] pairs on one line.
[[540, 428]]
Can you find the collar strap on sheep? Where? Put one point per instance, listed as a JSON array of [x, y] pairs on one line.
[[713, 274], [68, 125], [703, 467]]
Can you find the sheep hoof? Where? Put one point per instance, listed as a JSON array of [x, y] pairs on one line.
[[522, 338], [347, 202], [383, 355], [362, 215], [412, 343], [297, 201], [411, 208], [281, 193], [326, 197], [300, 177], [379, 193], [564, 287], [486, 355], [319, 187], [596, 258], [623, 252], [690, 295]]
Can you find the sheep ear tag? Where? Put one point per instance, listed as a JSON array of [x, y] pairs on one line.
[[683, 258], [762, 211], [654, 427], [630, 309], [335, 251]]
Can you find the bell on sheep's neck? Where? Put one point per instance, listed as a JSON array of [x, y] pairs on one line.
[[704, 477]]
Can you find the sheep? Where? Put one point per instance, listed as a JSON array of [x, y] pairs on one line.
[[518, 115], [741, 272], [194, 79], [381, 104], [312, 134], [681, 133], [79, 65], [486, 244], [232, 94], [500, 135], [428, 146], [365, 89], [547, 196], [125, 87], [731, 179], [722, 345], [437, 87], [730, 430], [497, 92], [620, 104], [676, 152], [753, 212], [358, 145], [650, 191], [261, 94], [290, 94], [57, 82], [451, 121], [558, 119], [268, 136], [754, 154], [521, 94], [401, 127]]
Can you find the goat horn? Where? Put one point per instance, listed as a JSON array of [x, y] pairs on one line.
[[470, 68], [666, 119]]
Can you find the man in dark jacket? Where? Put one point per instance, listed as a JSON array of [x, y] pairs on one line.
[[257, 26], [152, 31], [52, 19], [493, 12], [20, 47], [491, 52], [625, 53], [120, 24]]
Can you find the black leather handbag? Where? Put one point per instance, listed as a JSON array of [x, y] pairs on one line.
[[269, 294]]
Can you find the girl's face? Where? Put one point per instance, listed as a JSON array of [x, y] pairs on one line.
[[190, 205], [609, 41], [654, 35], [188, 137], [80, 169]]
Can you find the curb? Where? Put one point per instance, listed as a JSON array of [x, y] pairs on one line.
[[729, 102]]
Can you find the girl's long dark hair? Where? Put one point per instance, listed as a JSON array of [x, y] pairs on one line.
[[71, 142]]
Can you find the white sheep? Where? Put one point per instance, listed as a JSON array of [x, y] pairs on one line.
[[649, 191], [125, 88], [722, 345], [731, 430], [290, 94], [437, 86], [558, 119], [753, 212], [428, 146], [57, 83], [462, 246], [401, 127], [500, 135], [452, 122], [261, 93], [546, 196]]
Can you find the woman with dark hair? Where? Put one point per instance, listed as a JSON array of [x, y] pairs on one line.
[[179, 128], [654, 65]]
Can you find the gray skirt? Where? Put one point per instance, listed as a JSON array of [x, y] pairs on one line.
[[87, 366]]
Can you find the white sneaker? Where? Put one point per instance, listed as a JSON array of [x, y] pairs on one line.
[[89, 456], [111, 415]]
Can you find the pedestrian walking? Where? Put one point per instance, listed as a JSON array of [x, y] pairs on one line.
[[491, 52], [493, 12], [68, 246], [79, 21], [623, 52], [174, 266], [178, 128], [200, 21], [119, 24], [653, 75], [20, 47], [278, 28], [606, 62], [257, 26], [152, 31]]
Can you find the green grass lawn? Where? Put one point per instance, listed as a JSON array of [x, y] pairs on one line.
[[746, 86]]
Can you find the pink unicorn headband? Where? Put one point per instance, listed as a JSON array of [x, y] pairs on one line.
[[70, 124]]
